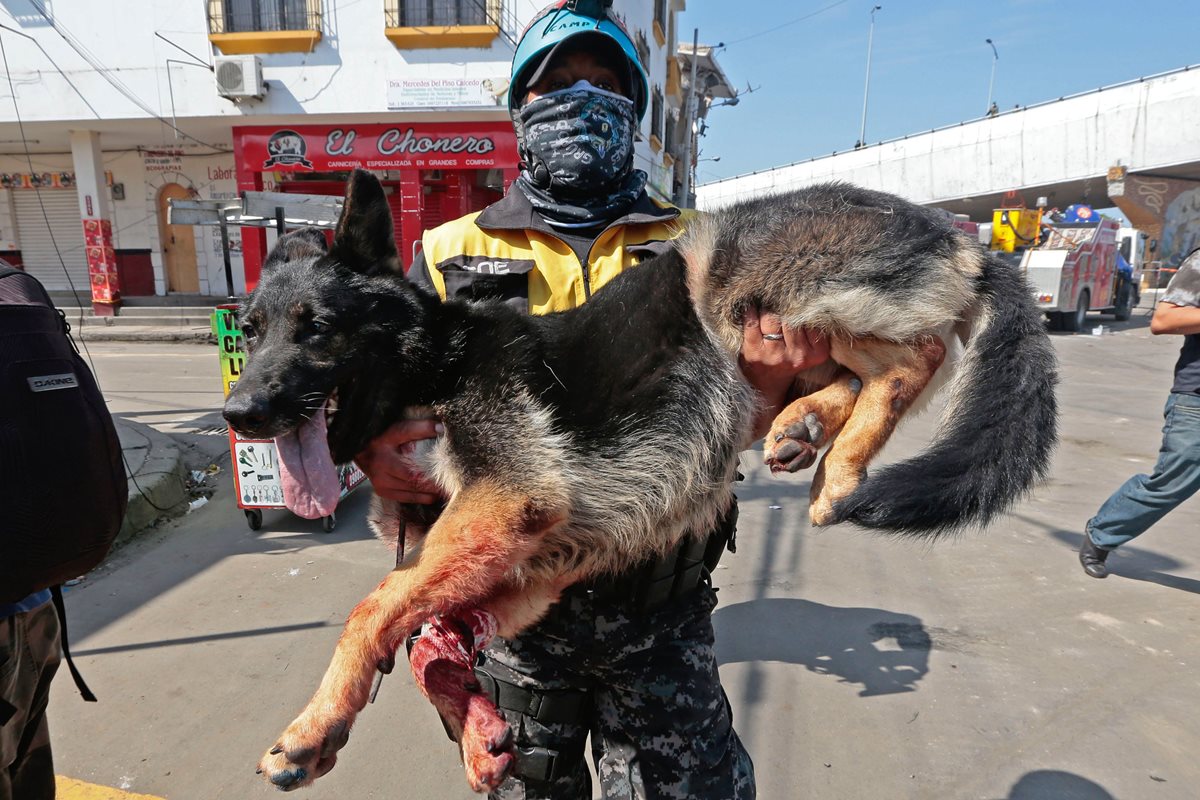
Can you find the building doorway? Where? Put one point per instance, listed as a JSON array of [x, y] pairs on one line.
[[178, 243]]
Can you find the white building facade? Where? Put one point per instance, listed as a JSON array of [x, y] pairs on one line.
[[115, 108]]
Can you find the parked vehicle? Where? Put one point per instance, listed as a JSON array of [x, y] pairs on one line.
[[1079, 266]]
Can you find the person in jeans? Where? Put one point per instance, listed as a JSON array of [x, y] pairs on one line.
[[1145, 499]]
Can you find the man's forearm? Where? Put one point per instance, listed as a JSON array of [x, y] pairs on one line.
[[1172, 319]]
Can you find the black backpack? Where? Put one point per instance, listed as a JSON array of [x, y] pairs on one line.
[[62, 478]]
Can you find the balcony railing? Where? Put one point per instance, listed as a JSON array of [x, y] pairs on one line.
[[260, 16], [440, 13]]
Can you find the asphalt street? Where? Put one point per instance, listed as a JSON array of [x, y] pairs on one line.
[[987, 666]]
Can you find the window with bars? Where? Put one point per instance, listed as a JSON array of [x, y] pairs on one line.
[[244, 16], [656, 114], [643, 48], [660, 13], [440, 13]]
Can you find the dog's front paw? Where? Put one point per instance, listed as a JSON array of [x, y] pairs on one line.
[[305, 751], [487, 745], [792, 447]]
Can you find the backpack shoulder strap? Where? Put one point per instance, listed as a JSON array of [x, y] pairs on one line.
[[19, 286]]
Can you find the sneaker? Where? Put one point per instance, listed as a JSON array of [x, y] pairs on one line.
[[1092, 558]]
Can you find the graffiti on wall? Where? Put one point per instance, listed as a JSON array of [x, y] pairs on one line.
[[1181, 227]]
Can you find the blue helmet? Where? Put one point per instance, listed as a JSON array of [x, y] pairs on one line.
[[565, 20]]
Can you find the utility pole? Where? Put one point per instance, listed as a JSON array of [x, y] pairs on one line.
[[992, 82], [862, 133], [690, 123]]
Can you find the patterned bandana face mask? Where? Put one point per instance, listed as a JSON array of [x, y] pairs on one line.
[[578, 141]]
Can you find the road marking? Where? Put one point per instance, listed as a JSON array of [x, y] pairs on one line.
[[71, 789]]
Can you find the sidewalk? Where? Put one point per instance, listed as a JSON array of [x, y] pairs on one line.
[[155, 474], [166, 319]]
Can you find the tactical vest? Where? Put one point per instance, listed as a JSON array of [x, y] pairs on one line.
[[535, 267]]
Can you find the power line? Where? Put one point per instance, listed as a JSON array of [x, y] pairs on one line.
[[56, 67], [199, 61], [773, 28], [62, 262], [106, 73]]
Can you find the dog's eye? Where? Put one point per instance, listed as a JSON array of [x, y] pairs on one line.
[[248, 332], [318, 326]]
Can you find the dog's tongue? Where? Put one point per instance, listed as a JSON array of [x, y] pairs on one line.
[[310, 479]]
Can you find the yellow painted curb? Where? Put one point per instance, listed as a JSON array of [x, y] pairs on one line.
[[71, 789]]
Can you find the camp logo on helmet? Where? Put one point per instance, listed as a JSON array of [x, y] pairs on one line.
[[567, 25]]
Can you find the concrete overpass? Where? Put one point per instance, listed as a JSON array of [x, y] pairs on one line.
[[1132, 145]]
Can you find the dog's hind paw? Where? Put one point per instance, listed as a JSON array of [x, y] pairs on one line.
[[306, 751], [794, 447], [487, 745]]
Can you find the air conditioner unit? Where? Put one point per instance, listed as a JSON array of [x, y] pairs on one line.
[[239, 77]]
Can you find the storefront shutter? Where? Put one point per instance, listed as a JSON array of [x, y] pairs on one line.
[[38, 254]]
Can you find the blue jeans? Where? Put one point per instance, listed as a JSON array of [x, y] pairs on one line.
[[1145, 499]]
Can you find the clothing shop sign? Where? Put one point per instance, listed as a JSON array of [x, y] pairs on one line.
[[311, 148]]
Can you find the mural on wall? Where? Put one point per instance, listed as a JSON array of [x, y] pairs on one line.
[[1181, 227]]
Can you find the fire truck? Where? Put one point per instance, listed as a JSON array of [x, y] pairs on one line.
[[1079, 262]]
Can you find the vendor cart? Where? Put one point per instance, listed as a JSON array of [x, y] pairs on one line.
[[255, 462]]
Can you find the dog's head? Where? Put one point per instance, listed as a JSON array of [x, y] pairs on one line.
[[320, 320]]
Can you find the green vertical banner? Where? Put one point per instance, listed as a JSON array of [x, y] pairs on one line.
[[230, 345]]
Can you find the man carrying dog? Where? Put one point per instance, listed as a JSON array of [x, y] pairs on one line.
[[629, 661]]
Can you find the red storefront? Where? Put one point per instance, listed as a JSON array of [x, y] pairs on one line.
[[433, 171]]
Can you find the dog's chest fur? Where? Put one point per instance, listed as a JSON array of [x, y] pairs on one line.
[[624, 411]]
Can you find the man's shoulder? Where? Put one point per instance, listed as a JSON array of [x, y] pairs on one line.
[[455, 227], [1184, 288]]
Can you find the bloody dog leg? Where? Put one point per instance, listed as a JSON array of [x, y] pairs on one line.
[[893, 376], [809, 423], [483, 533], [442, 661]]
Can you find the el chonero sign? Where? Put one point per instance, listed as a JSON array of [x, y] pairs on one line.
[[321, 148]]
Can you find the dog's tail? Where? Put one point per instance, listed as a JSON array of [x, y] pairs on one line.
[[998, 429]]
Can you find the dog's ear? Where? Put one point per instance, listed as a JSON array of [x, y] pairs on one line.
[[364, 240], [296, 246]]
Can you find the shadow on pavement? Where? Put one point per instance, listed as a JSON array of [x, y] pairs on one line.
[[185, 640], [1136, 563], [881, 651], [1139, 321], [165, 558], [1052, 784]]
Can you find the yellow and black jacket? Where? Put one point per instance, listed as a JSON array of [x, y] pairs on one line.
[[508, 251]]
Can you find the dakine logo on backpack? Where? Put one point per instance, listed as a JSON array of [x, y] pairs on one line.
[[48, 383]]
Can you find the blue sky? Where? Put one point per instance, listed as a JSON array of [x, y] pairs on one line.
[[930, 65]]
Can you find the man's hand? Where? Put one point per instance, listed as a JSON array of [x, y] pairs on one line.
[[772, 355], [385, 462]]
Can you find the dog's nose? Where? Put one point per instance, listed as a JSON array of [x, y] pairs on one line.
[[247, 414]]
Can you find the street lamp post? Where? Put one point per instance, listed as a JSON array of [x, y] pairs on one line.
[[862, 133], [992, 82]]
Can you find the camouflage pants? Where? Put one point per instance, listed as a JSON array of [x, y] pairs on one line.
[[660, 724], [29, 657]]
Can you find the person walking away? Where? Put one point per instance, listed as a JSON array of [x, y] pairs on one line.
[[1145, 499]]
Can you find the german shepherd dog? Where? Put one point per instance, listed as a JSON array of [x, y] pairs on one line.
[[583, 443]]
